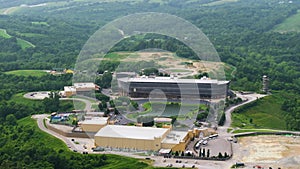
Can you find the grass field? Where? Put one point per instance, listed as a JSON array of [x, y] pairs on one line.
[[19, 98], [221, 2], [24, 44], [166, 110], [37, 73], [117, 56], [265, 115], [21, 42], [114, 161], [79, 105], [291, 24], [253, 130], [4, 34]]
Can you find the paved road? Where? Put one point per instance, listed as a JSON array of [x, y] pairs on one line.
[[88, 104], [222, 130], [68, 142]]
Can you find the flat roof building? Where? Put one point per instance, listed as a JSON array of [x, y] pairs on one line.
[[141, 138], [79, 87], [94, 124], [173, 87]]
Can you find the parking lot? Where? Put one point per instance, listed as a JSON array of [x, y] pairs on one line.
[[218, 145]]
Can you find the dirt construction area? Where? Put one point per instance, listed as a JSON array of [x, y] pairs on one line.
[[175, 64], [270, 151]]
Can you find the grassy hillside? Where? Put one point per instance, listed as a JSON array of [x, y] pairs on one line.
[[4, 34], [266, 113], [291, 24], [37, 73], [21, 42], [24, 44]]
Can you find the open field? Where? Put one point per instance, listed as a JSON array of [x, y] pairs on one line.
[[4, 34], [166, 110], [21, 42], [65, 105], [37, 73], [263, 150], [267, 114], [173, 64], [24, 44], [19, 98], [254, 130], [220, 2], [291, 24]]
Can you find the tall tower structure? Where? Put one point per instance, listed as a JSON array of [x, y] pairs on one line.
[[265, 83]]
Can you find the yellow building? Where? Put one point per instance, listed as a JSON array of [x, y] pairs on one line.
[[69, 91], [141, 138], [69, 71], [94, 124], [177, 140]]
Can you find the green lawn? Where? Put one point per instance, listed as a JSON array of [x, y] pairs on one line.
[[220, 2], [4, 34], [37, 73], [253, 130], [21, 42], [24, 44], [117, 56], [291, 24], [267, 114], [19, 98], [79, 105], [168, 110], [55, 143]]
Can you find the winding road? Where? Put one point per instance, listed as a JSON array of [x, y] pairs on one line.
[[249, 98], [40, 121]]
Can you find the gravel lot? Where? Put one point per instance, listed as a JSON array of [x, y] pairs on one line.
[[270, 151]]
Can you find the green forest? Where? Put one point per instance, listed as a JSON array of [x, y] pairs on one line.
[[255, 36]]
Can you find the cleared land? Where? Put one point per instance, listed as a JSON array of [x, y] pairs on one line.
[[263, 150], [173, 64], [221, 2], [21, 42], [4, 34], [37, 73], [266, 114], [291, 24], [24, 44]]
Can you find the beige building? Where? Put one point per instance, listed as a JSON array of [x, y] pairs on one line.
[[94, 124], [84, 87], [79, 87], [69, 91], [142, 138]]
